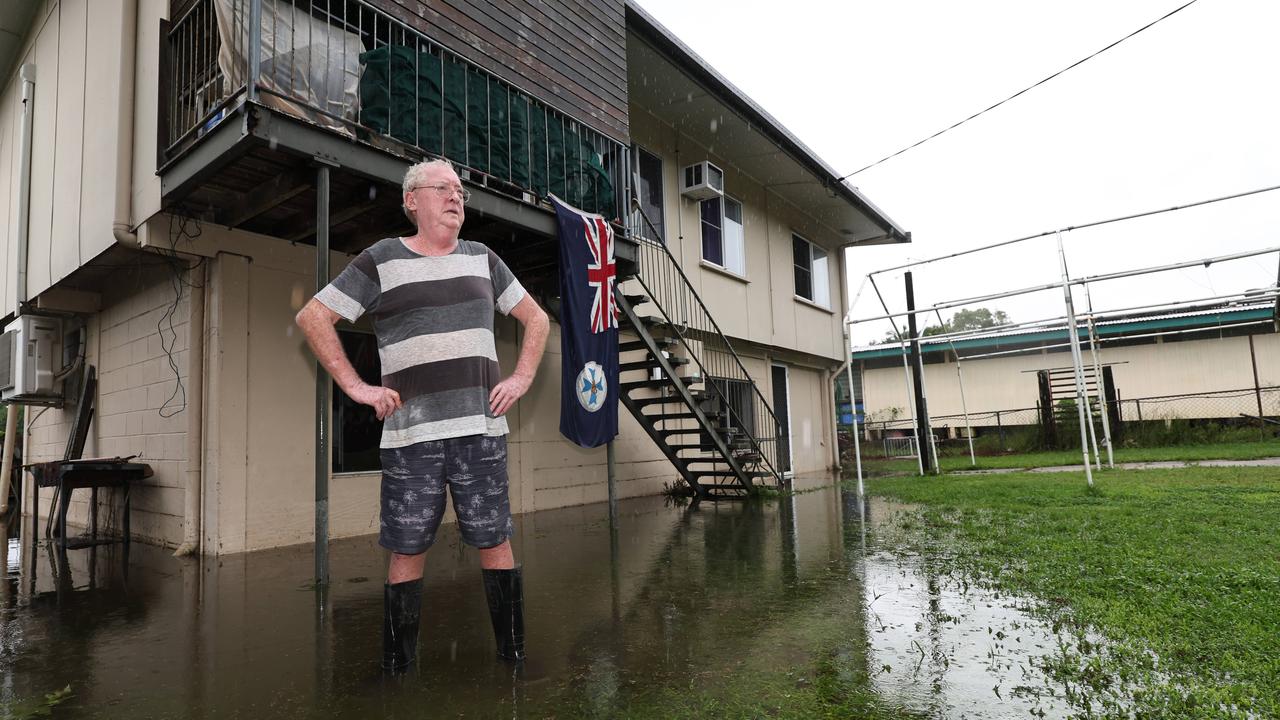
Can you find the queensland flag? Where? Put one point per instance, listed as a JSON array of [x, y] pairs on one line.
[[588, 327]]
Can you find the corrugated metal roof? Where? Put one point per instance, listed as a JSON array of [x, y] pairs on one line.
[[1119, 327]]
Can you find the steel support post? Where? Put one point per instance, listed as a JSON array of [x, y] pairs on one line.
[[1100, 381], [322, 387], [1081, 399]]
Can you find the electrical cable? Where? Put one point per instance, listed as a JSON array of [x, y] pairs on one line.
[[1069, 228], [1020, 92], [188, 229]]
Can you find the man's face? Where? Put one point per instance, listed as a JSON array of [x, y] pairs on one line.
[[437, 201]]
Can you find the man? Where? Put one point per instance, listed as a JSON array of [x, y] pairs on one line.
[[442, 400]]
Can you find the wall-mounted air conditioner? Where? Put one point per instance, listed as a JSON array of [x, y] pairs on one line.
[[701, 181], [28, 363]]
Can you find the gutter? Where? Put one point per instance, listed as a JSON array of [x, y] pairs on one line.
[[644, 24]]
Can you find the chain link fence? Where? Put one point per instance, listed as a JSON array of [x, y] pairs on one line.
[[1155, 420]]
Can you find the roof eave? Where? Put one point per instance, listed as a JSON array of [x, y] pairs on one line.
[[663, 39]]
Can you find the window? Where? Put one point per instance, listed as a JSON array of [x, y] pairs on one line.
[[740, 411], [812, 280], [649, 188], [723, 240], [357, 429]]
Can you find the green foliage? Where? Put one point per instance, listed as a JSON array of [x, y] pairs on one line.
[[38, 708], [962, 320], [1178, 570]]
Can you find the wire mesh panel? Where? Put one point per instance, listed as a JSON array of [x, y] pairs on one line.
[[357, 70]]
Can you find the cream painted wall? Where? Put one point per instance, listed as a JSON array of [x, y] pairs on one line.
[[75, 46], [139, 409], [1167, 368], [762, 307]]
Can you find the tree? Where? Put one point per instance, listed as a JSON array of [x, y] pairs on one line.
[[962, 320]]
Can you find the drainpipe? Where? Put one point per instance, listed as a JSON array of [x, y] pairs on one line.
[[834, 380], [195, 415], [122, 224], [28, 76]]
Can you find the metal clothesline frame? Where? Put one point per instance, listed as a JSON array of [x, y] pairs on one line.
[[1066, 284]]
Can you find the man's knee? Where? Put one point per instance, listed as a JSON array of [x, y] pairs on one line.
[[405, 567]]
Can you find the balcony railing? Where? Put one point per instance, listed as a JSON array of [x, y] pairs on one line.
[[356, 70]]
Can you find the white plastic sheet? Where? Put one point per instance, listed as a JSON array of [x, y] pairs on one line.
[[313, 64]]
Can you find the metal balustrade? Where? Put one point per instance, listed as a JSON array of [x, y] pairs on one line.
[[356, 70]]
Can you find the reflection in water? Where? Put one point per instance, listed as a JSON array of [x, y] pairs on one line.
[[667, 600]]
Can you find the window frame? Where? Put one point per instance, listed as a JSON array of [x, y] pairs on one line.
[[811, 260], [659, 222], [724, 201]]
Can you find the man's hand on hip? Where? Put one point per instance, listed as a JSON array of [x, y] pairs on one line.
[[505, 394], [384, 401]]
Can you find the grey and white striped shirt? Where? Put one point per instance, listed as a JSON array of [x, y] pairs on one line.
[[433, 318]]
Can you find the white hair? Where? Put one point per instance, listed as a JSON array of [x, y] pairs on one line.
[[414, 176]]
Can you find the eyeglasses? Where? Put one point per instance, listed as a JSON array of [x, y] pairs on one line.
[[445, 191]]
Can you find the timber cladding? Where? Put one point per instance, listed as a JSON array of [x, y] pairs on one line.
[[571, 54]]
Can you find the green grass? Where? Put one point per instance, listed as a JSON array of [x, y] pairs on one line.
[[1178, 569], [1215, 451]]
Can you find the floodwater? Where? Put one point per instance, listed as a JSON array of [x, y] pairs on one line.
[[675, 600]]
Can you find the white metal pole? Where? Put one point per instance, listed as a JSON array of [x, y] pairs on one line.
[[1080, 281], [1075, 360], [1097, 373], [964, 407], [853, 412]]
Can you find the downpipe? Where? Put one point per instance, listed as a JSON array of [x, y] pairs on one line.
[[27, 74], [191, 527], [122, 224]]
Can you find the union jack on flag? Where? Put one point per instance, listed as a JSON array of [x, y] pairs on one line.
[[588, 327], [602, 273]]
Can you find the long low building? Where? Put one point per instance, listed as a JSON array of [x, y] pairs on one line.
[[1206, 364]]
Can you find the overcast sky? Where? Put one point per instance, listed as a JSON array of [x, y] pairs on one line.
[[1185, 111]]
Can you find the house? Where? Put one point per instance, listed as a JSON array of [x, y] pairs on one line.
[[1203, 363], [186, 180]]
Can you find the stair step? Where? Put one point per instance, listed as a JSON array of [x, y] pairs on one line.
[[664, 400], [726, 472], [649, 363], [671, 416], [631, 345], [646, 384], [666, 432], [636, 299]]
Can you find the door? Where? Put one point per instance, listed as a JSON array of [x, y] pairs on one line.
[[782, 410]]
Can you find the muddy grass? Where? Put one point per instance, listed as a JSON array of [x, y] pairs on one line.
[[1178, 569], [995, 461]]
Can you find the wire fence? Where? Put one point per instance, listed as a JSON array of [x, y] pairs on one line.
[[1160, 418]]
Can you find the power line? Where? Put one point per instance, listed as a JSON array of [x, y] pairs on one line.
[[1082, 226], [1020, 92]]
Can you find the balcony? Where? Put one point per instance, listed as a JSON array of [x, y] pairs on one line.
[[343, 84]]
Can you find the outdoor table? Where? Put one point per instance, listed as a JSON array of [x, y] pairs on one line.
[[91, 473]]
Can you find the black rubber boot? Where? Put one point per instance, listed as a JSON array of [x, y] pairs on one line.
[[505, 592], [402, 613]]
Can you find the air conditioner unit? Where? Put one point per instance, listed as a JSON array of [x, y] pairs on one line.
[[701, 181], [29, 364]]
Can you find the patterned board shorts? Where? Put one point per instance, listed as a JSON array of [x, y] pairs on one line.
[[414, 478]]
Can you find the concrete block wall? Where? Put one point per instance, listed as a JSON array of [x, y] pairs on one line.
[[131, 341]]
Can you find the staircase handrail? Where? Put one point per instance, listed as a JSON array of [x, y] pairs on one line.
[[660, 243]]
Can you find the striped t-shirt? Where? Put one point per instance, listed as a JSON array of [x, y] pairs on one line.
[[433, 318]]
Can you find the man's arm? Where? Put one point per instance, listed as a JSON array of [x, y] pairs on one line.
[[536, 327], [317, 321]]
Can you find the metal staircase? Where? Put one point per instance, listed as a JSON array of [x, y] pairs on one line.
[[685, 384]]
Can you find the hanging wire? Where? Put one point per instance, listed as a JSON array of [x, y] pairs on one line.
[[1077, 63]]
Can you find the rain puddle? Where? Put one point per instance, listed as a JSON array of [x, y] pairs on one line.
[[714, 603]]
